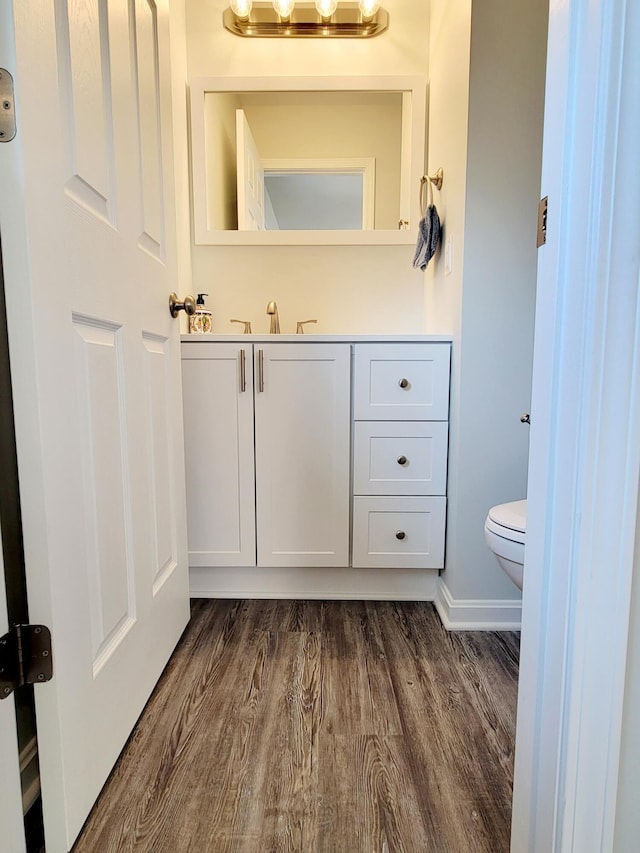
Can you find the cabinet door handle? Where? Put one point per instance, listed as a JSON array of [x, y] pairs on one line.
[[402, 460], [403, 383], [400, 534], [260, 370], [243, 371]]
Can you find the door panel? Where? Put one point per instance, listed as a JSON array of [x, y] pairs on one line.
[[89, 204], [218, 405], [145, 26], [160, 402], [104, 461], [302, 411], [85, 96]]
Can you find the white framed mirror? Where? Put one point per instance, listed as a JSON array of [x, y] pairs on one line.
[[307, 160]]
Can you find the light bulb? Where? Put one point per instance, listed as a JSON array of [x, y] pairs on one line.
[[284, 8], [241, 8], [368, 8], [326, 8]]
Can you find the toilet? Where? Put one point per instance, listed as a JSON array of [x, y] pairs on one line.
[[505, 532]]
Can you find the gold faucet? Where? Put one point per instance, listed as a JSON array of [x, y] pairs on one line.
[[272, 309]]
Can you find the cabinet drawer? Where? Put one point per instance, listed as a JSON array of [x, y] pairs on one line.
[[400, 458], [394, 382], [398, 532]]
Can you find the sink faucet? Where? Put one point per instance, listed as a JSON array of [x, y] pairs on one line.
[[274, 328]]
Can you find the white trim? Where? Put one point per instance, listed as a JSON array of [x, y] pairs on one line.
[[19, 313], [314, 583], [585, 437], [476, 614], [413, 88]]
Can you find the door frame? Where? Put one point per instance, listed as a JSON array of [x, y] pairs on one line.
[[11, 817], [13, 263], [585, 438]]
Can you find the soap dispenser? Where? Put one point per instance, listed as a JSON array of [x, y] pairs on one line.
[[201, 323]]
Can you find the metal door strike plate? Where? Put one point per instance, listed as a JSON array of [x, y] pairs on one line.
[[7, 107]]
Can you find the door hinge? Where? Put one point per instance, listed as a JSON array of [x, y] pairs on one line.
[[541, 237], [25, 657], [7, 107]]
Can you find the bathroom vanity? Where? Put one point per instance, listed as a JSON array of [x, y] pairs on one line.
[[316, 465]]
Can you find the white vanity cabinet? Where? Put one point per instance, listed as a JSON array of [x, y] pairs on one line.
[[267, 437], [401, 410]]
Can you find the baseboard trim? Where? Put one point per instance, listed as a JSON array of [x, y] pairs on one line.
[[314, 583], [476, 615]]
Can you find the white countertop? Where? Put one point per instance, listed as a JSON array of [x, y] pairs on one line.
[[317, 339]]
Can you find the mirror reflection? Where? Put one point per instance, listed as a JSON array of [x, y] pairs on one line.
[[303, 160], [315, 198]]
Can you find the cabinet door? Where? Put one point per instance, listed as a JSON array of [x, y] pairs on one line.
[[302, 410], [218, 427]]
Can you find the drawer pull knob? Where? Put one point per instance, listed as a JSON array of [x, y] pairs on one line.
[[402, 460], [403, 383], [400, 534]]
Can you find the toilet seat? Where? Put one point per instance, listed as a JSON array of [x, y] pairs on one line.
[[509, 521], [505, 534]]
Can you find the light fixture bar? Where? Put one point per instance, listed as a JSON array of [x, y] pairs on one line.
[[305, 22]]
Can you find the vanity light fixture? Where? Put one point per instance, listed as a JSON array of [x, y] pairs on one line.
[[320, 19]]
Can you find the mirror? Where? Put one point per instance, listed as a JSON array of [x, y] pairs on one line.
[[306, 160]]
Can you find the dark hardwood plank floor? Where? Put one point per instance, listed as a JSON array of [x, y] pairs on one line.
[[318, 727]]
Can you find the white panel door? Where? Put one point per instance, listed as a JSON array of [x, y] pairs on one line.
[[10, 799], [302, 411], [87, 219], [217, 387], [250, 177]]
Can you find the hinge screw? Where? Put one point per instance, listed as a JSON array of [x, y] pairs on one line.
[[6, 105]]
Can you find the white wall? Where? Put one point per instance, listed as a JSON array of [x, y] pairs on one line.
[[487, 302], [450, 52], [348, 289]]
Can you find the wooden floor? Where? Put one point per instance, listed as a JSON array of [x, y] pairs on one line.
[[361, 727]]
